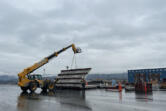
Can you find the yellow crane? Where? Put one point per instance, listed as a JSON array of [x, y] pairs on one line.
[[32, 82]]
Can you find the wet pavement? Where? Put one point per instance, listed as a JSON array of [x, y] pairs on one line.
[[12, 99]]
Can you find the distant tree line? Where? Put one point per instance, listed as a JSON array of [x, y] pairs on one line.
[[6, 79]]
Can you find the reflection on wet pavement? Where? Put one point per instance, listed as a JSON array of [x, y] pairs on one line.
[[144, 96], [71, 100], [61, 100]]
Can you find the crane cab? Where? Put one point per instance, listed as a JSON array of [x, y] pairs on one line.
[[35, 77]]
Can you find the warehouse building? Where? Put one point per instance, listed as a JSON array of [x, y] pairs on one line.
[[147, 75]]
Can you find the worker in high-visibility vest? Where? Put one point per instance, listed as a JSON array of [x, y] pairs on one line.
[[120, 87]]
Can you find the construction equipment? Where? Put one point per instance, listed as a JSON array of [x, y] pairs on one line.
[[32, 82]]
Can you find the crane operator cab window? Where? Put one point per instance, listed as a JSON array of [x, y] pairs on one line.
[[34, 77]]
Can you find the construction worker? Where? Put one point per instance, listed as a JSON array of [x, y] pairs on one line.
[[83, 83], [120, 87]]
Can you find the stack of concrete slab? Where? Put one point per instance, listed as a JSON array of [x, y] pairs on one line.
[[73, 78]]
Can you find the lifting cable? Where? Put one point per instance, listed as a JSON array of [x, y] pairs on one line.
[[74, 61]]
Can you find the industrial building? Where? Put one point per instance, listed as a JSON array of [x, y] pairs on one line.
[[155, 75]]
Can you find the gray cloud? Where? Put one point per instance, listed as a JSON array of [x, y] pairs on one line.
[[114, 35]]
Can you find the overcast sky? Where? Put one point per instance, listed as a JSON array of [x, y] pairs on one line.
[[115, 35]]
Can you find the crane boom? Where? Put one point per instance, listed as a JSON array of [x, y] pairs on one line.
[[22, 75]]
